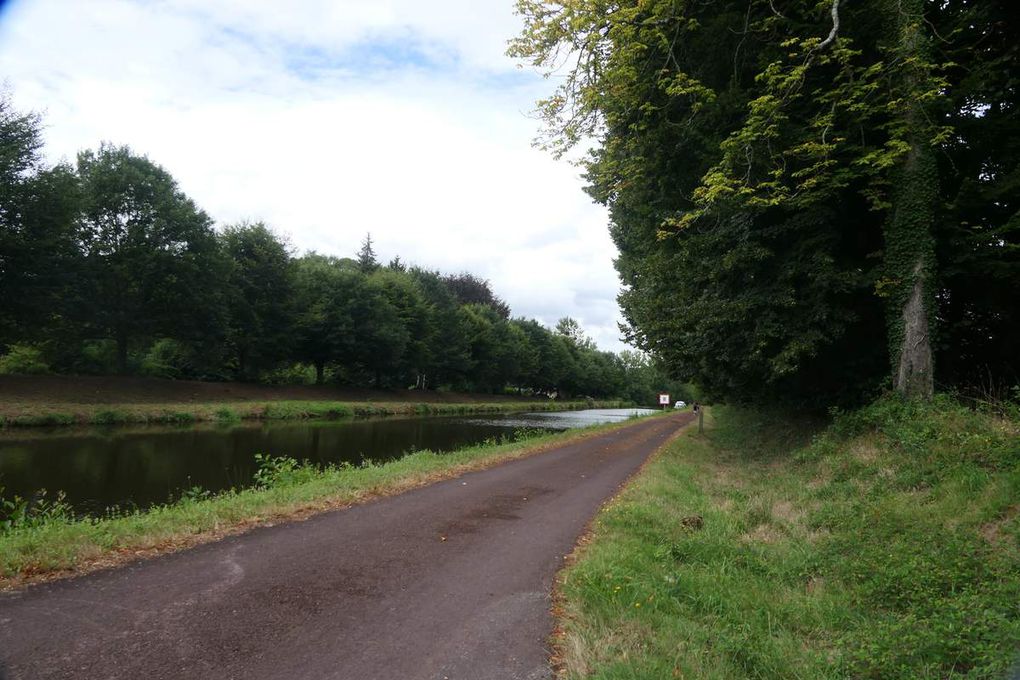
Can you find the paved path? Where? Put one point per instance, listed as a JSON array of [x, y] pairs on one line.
[[450, 581]]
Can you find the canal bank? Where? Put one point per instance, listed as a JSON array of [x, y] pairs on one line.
[[58, 415], [64, 400], [53, 542]]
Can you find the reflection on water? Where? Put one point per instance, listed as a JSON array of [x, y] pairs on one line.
[[564, 420], [141, 466]]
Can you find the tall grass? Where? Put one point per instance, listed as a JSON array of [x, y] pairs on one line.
[[884, 546]]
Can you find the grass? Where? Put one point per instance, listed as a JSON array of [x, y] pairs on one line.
[[51, 542], [886, 545], [42, 415]]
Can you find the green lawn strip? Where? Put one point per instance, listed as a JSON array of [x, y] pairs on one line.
[[115, 414], [52, 543], [886, 547]]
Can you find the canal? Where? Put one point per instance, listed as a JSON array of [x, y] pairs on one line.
[[136, 467]]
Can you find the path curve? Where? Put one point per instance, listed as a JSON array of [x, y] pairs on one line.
[[450, 581]]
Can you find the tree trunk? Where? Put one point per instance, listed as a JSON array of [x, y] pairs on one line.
[[909, 243], [320, 371]]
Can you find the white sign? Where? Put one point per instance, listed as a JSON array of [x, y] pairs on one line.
[[664, 399]]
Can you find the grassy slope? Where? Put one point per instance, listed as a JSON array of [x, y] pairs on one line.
[[47, 546], [886, 547]]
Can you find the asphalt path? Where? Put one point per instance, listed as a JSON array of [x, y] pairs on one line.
[[450, 581]]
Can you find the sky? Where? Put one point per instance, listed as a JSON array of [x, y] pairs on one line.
[[330, 119]]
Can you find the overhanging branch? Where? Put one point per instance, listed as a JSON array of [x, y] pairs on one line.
[[835, 25]]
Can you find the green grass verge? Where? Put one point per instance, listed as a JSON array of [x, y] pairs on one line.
[[51, 541], [120, 414], [884, 546]]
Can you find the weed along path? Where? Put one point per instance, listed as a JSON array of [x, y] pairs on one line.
[[451, 580]]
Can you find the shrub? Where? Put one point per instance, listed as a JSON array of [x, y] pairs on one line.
[[23, 360], [293, 374], [20, 513], [168, 358], [277, 471], [97, 357]]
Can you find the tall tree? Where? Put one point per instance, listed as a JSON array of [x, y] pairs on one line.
[[472, 290], [388, 314], [326, 299], [402, 291], [38, 250], [978, 229], [771, 175], [909, 240], [447, 353], [367, 260], [258, 290], [152, 262]]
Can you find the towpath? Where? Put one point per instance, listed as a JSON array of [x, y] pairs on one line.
[[450, 581]]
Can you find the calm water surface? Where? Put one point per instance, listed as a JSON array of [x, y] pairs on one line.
[[139, 466]]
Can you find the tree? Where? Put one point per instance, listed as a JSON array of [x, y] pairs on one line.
[[367, 261], [447, 355], [771, 176], [470, 289], [38, 250], [572, 331], [391, 326], [152, 262], [978, 229], [325, 300], [477, 322], [529, 370], [909, 238], [258, 290]]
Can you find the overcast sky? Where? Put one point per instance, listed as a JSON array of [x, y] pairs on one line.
[[329, 119]]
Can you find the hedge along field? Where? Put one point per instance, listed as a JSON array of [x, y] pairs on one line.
[[51, 542], [884, 546]]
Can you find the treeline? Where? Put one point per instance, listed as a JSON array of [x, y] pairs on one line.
[[106, 266], [813, 201]]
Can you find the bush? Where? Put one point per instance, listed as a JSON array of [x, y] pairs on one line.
[[280, 471], [23, 360], [98, 357], [168, 358], [294, 374]]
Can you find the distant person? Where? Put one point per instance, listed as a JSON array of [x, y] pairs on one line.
[[696, 408]]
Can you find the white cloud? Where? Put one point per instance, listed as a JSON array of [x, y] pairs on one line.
[[329, 120]]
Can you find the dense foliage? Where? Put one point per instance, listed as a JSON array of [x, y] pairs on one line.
[[108, 266], [812, 198]]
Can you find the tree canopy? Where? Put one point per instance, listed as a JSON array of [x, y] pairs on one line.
[[790, 182], [108, 266]]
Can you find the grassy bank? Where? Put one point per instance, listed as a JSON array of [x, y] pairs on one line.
[[885, 546], [52, 543], [113, 414]]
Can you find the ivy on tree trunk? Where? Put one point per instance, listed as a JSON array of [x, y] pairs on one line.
[[910, 244]]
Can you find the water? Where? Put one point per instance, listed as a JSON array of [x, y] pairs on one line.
[[131, 467]]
